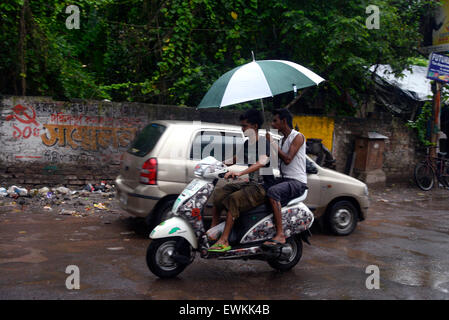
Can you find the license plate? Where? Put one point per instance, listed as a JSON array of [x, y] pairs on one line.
[[124, 199]]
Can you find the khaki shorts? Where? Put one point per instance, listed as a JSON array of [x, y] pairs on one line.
[[239, 197]]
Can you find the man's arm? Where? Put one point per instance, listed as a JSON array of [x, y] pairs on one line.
[[263, 160], [294, 147]]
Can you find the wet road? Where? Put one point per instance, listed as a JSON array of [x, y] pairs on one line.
[[406, 235]]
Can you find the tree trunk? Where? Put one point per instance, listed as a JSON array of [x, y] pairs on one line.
[[22, 47]]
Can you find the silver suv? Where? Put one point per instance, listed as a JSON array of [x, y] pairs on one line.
[[161, 160]]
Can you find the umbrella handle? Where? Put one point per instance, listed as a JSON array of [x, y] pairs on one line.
[[263, 111]]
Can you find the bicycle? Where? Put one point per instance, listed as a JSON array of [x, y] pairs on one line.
[[431, 167]]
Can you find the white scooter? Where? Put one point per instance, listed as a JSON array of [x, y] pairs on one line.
[[176, 240]]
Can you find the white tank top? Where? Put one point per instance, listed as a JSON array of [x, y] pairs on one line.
[[296, 169]]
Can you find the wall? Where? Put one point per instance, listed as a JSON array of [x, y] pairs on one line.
[[316, 127], [400, 154], [53, 142], [47, 142]]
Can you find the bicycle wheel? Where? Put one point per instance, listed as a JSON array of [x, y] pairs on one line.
[[424, 176]]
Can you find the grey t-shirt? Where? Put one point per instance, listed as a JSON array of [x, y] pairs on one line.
[[252, 153]]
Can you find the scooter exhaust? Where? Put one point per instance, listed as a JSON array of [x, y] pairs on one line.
[[282, 253]]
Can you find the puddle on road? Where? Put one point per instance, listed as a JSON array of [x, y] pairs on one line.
[[420, 278], [32, 256]]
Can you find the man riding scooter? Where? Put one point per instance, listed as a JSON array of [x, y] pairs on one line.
[[243, 196]]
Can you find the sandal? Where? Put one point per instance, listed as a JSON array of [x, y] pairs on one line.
[[272, 244], [218, 247]]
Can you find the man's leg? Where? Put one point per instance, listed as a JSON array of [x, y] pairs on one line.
[[232, 202], [224, 238], [215, 216], [277, 212], [274, 194], [219, 195], [240, 201]]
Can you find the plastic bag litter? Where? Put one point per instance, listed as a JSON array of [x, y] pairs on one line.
[[43, 191], [214, 233], [3, 192], [15, 191], [63, 190]]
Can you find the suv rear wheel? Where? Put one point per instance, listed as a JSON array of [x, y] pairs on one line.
[[342, 218], [161, 213]]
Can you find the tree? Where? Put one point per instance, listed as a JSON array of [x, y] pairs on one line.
[[171, 51]]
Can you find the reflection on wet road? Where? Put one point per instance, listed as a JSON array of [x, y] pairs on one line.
[[405, 235]]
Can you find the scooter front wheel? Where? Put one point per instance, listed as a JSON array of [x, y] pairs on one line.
[[295, 245], [168, 257]]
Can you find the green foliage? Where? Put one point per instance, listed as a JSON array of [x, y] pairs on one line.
[[422, 123], [171, 51]]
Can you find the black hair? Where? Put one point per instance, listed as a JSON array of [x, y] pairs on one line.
[[253, 116], [284, 114]]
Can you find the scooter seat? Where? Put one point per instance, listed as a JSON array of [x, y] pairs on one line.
[[264, 209], [298, 200]]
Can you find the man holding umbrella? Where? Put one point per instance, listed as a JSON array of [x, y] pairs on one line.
[[258, 80], [293, 180]]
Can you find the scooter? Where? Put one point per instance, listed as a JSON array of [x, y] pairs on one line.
[[176, 241]]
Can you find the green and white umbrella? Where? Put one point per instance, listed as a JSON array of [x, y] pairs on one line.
[[257, 80]]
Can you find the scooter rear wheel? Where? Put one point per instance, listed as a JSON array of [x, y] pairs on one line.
[[160, 256], [284, 265]]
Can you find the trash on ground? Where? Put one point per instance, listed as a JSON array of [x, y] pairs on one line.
[[3, 192], [67, 212], [100, 206], [48, 208], [63, 190], [43, 191], [102, 187]]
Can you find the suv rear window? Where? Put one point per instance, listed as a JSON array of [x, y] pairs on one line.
[[214, 140], [146, 139]]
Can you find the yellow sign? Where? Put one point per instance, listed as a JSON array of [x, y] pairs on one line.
[[440, 25], [314, 127]]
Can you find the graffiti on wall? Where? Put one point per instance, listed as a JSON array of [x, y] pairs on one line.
[[27, 116], [88, 134], [87, 137]]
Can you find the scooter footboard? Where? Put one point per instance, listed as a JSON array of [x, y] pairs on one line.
[[295, 219], [175, 227]]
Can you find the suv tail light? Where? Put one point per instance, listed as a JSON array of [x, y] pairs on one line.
[[148, 173]]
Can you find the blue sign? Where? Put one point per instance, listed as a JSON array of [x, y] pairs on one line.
[[438, 67]]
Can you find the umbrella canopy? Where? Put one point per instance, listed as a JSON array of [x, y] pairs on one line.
[[256, 80]]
